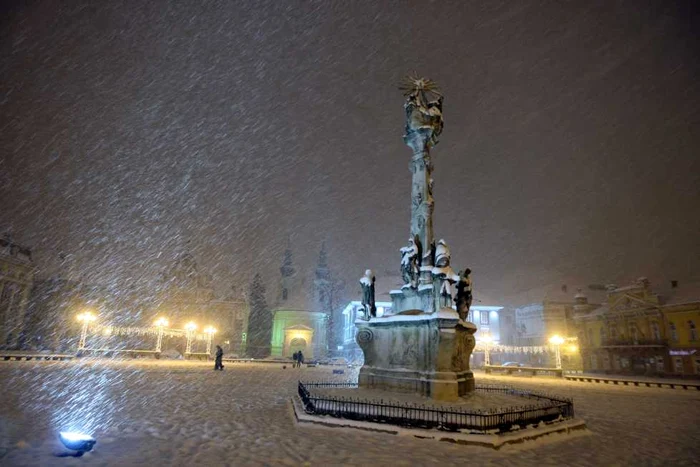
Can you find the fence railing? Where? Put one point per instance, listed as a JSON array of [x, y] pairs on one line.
[[549, 409], [630, 342]]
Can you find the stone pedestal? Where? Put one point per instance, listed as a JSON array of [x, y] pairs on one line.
[[417, 352]]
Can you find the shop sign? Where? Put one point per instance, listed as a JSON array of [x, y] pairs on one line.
[[682, 352]]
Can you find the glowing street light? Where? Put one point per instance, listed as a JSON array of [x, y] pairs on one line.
[[557, 341], [486, 339], [86, 318], [210, 332], [160, 324], [190, 328]]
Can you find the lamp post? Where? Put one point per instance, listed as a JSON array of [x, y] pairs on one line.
[[160, 324], [557, 341], [486, 339], [210, 332], [190, 328], [86, 318]]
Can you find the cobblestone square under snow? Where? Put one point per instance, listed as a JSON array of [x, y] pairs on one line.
[[184, 413]]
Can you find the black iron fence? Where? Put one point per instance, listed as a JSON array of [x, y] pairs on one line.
[[548, 409]]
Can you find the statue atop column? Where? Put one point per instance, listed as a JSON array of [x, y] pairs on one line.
[[368, 304], [423, 112]]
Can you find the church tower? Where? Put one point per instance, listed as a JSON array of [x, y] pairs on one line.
[[322, 283], [287, 272]]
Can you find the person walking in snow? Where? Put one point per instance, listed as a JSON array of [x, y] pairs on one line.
[[295, 357], [300, 359], [218, 365]]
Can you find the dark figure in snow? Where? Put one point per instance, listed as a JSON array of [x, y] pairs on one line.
[[300, 359], [295, 357], [218, 365]]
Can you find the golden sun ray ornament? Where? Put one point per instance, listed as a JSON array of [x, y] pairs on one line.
[[412, 84]]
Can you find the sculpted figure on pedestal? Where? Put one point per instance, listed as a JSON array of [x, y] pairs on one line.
[[463, 300], [411, 256], [368, 304]]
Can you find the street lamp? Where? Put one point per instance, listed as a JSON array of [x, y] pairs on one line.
[[557, 341], [210, 332], [160, 324], [486, 339], [190, 328], [86, 318]]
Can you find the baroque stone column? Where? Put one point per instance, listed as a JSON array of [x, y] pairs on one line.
[[422, 201], [424, 124]]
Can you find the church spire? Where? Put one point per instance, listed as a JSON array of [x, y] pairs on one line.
[[287, 270], [322, 271]]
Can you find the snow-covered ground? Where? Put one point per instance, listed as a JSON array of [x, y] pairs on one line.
[[184, 413]]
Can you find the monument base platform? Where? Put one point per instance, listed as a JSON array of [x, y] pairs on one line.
[[423, 353], [444, 385]]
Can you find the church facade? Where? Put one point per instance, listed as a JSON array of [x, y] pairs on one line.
[[302, 311]]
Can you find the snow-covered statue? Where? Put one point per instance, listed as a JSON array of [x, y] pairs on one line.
[[368, 306], [423, 115], [443, 273], [411, 257], [442, 254], [463, 300]]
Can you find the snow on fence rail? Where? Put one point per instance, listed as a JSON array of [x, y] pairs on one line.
[[448, 419], [632, 382]]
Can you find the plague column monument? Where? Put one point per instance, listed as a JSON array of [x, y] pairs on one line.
[[424, 347]]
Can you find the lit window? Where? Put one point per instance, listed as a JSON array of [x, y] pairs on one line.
[[674, 331], [485, 318]]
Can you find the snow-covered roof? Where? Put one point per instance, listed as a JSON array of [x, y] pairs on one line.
[[684, 292]]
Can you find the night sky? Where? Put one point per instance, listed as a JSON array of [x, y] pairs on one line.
[[131, 131]]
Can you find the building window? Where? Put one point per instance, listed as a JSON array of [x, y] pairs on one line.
[[692, 331], [656, 333], [590, 337], [633, 333], [613, 332], [674, 331], [603, 336], [678, 365], [485, 318]]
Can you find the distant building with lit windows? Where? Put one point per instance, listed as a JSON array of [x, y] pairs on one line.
[[640, 331]]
